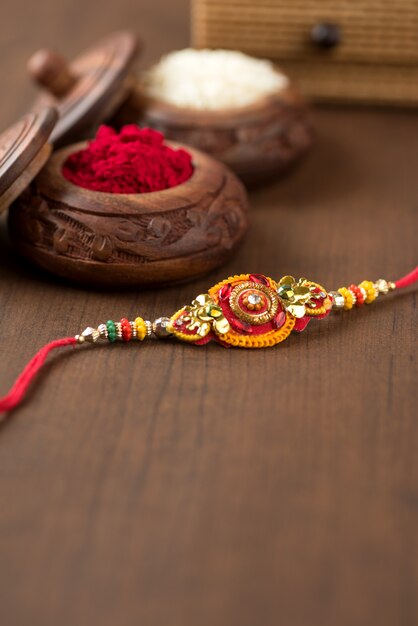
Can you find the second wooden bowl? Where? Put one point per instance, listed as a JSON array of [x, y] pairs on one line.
[[130, 239], [259, 142]]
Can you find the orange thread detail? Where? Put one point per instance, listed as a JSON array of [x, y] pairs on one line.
[[267, 340]]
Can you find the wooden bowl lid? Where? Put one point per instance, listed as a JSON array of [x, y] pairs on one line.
[[89, 88], [23, 152]]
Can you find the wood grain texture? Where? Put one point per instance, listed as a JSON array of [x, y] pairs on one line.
[[374, 62], [161, 484]]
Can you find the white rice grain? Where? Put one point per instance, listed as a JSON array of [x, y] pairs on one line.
[[212, 79]]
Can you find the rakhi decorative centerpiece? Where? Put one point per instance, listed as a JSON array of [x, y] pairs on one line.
[[246, 311], [250, 311]]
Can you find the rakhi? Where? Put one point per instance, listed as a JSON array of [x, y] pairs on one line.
[[246, 311]]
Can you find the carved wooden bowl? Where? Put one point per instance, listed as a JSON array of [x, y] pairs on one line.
[[259, 142], [120, 240]]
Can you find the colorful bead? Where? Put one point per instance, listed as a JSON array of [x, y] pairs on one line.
[[126, 329], [358, 294], [348, 298], [141, 329], [111, 330], [370, 290]]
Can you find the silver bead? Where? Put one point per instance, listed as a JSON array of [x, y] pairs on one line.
[[91, 334], [382, 286], [337, 300], [133, 329], [102, 328], [159, 327], [148, 326], [119, 334]]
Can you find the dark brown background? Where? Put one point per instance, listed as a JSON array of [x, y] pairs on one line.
[[165, 484]]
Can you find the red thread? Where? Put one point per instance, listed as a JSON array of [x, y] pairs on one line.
[[135, 160], [20, 387], [407, 280]]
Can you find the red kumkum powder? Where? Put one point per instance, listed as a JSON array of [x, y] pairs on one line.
[[135, 160]]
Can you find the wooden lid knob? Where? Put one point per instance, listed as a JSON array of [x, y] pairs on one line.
[[326, 35], [52, 72]]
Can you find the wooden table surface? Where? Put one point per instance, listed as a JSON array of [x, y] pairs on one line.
[[164, 484]]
